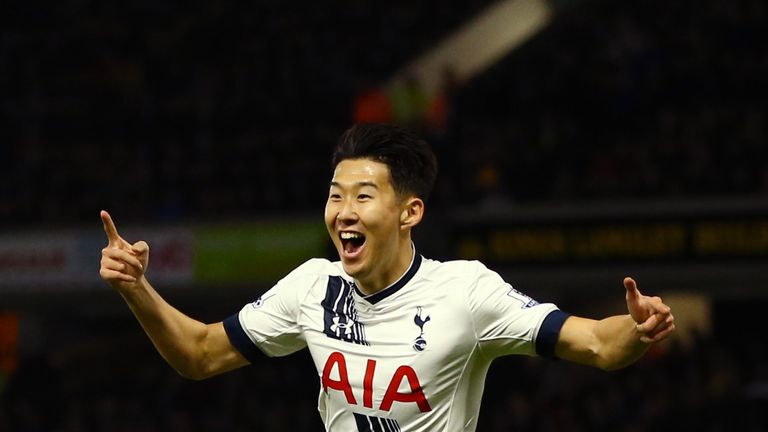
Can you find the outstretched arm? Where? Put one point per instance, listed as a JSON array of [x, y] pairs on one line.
[[616, 341], [196, 350]]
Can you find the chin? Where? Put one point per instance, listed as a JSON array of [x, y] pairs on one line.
[[356, 270], [352, 270]]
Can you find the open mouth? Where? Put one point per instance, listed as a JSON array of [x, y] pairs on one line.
[[351, 242]]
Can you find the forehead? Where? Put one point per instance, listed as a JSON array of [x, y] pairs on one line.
[[354, 171]]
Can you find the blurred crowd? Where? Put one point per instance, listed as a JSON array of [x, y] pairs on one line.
[[164, 111], [715, 383], [624, 99], [161, 110]]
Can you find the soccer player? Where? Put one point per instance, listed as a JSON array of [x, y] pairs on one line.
[[400, 342]]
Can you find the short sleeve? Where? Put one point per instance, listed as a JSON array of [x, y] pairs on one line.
[[508, 321], [270, 324]]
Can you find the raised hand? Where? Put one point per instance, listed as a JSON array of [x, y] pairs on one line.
[[654, 318], [122, 264]]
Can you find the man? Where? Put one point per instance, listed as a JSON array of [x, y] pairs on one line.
[[400, 342]]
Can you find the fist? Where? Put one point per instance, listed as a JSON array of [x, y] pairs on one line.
[[122, 264], [654, 318]]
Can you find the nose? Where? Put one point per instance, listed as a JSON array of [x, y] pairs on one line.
[[347, 213]]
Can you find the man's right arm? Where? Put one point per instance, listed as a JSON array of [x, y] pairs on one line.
[[195, 349]]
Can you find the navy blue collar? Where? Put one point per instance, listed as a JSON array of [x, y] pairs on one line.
[[395, 287]]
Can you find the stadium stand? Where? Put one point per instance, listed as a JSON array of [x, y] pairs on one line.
[[226, 110]]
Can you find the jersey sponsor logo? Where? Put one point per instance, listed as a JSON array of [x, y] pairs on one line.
[[526, 300], [375, 424], [340, 314], [420, 344], [336, 365]]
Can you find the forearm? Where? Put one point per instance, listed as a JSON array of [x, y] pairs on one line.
[[609, 344], [194, 349], [618, 342], [181, 340]]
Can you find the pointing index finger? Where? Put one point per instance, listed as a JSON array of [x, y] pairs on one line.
[[109, 229]]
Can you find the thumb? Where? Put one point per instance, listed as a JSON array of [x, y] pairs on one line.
[[633, 294], [140, 250], [140, 247], [636, 311]]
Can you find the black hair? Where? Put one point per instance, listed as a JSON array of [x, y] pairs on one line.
[[412, 164]]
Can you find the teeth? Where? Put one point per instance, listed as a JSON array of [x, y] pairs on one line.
[[350, 235]]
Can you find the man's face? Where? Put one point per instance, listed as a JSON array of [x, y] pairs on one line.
[[363, 218]]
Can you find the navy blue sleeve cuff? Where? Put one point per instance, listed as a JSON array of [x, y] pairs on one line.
[[240, 340], [549, 333]]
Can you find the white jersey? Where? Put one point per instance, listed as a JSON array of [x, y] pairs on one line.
[[412, 357]]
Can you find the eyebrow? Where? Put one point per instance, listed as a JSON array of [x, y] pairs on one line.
[[358, 184]]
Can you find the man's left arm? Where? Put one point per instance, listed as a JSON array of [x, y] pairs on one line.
[[616, 341]]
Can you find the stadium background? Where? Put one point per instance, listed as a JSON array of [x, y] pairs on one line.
[[621, 138]]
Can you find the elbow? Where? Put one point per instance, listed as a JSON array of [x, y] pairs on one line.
[[190, 375], [613, 361], [195, 364], [195, 371], [195, 374], [607, 366]]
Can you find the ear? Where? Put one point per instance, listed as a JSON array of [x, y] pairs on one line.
[[412, 212]]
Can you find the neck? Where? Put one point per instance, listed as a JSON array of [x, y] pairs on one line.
[[392, 273]]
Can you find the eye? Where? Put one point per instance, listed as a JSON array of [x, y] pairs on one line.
[[363, 197], [334, 197]]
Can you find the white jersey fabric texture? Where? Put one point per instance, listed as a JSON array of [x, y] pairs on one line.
[[412, 357]]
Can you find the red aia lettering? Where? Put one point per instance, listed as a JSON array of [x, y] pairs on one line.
[[368, 384], [337, 359], [393, 394], [416, 394]]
